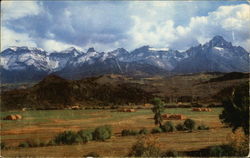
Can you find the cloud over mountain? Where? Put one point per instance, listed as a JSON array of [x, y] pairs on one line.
[[107, 25]]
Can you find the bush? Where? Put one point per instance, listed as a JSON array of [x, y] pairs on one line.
[[51, 143], [43, 144], [216, 151], [189, 124], [67, 137], [180, 127], [126, 132], [170, 154], [102, 133], [222, 150], [91, 154], [144, 131], [24, 145], [86, 135], [228, 150], [168, 127], [146, 146], [33, 143], [156, 130], [3, 145], [196, 105], [236, 106], [239, 142], [134, 132], [203, 127]]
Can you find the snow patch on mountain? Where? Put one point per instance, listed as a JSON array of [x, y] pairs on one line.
[[158, 49], [215, 55], [219, 48]]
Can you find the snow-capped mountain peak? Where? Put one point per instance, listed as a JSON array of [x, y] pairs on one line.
[[19, 58], [219, 41], [215, 55], [91, 49]]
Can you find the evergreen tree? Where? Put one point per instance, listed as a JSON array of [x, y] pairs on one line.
[[158, 109], [236, 109]]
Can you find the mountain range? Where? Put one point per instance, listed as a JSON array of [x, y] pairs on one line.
[[24, 64]]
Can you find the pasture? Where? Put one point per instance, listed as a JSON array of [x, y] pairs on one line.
[[44, 125]]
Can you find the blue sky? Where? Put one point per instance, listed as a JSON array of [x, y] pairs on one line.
[[107, 25]]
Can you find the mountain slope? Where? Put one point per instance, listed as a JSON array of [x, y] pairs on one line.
[[24, 64], [20, 64], [216, 55], [55, 92]]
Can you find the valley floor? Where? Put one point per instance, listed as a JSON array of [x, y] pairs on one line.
[[43, 125]]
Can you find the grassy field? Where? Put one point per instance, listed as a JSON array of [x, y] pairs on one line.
[[43, 125]]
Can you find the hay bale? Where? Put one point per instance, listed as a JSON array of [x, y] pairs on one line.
[[18, 117], [175, 117], [10, 117], [195, 109], [147, 105], [130, 110], [165, 116], [202, 109], [76, 107], [182, 117]]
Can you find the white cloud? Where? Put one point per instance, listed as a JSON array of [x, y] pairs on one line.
[[17, 9], [53, 45], [231, 22], [12, 38], [108, 25]]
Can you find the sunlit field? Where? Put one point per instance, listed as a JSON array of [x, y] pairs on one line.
[[44, 125]]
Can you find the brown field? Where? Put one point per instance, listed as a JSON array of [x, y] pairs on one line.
[[43, 125]]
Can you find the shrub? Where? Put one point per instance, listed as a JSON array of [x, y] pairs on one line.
[[67, 137], [43, 144], [239, 142], [170, 153], [180, 127], [3, 145], [213, 151], [134, 132], [146, 146], [78, 139], [216, 151], [91, 154], [34, 143], [196, 105], [24, 145], [236, 105], [168, 127], [228, 150], [86, 135], [144, 131], [203, 127], [102, 133], [156, 130], [189, 124], [51, 143], [126, 132]]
